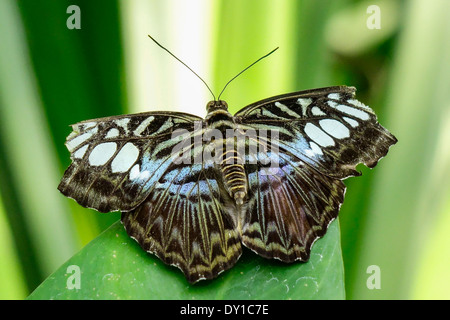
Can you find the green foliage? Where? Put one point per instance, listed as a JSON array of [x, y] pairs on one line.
[[113, 266]]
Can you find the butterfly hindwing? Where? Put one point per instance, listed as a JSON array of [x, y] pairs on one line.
[[116, 160], [185, 222], [327, 128], [289, 207]]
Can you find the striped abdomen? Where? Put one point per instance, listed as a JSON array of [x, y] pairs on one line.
[[234, 177]]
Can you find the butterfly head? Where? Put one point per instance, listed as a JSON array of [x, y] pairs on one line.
[[216, 105]]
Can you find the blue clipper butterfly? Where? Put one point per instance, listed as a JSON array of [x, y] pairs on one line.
[[196, 214]]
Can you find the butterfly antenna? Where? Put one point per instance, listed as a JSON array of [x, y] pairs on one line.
[[246, 69], [161, 46]]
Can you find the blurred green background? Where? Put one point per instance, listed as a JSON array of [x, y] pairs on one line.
[[396, 53]]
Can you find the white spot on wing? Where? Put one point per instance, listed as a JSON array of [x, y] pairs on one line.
[[318, 136], [285, 109], [112, 133], [102, 153], [73, 133], [334, 96], [351, 121], [135, 171], [359, 104], [315, 148], [335, 128], [304, 103], [349, 110], [75, 142], [266, 112], [144, 124], [317, 112], [80, 152], [126, 157], [332, 104], [87, 125]]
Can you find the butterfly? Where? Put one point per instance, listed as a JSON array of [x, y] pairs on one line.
[[194, 191]]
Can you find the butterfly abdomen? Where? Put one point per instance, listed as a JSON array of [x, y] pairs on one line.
[[234, 177]]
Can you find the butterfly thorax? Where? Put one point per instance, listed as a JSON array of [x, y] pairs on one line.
[[220, 123]]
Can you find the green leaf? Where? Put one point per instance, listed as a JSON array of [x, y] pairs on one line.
[[113, 266]]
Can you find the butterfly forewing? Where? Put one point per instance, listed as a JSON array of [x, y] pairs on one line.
[[117, 160], [327, 128]]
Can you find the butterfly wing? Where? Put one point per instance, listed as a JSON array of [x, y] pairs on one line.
[[326, 128], [185, 222], [117, 160], [316, 137], [289, 207]]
